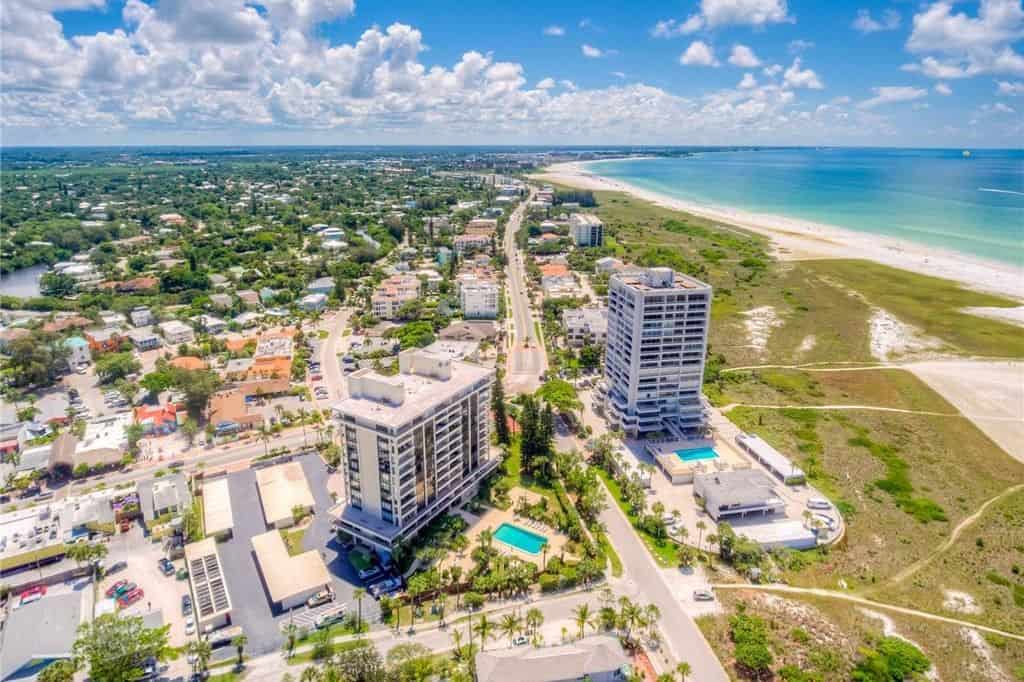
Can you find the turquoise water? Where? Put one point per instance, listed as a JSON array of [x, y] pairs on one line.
[[939, 198], [520, 538], [696, 454]]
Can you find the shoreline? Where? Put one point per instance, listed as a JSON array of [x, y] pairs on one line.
[[796, 239]]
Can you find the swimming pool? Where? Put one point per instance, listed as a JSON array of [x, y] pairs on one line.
[[520, 538], [696, 454]]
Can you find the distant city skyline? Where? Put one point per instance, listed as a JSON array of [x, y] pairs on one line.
[[707, 72]]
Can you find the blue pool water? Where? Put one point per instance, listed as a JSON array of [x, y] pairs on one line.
[[696, 454], [520, 538]]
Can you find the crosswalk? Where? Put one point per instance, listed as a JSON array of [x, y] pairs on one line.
[[305, 618]]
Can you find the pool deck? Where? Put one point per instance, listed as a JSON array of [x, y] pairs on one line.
[[681, 472], [493, 517]]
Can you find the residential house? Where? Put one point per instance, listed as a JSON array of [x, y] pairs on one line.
[[313, 303], [159, 420], [321, 285], [141, 316], [161, 496], [144, 339], [176, 332], [211, 324], [78, 351], [249, 298], [104, 340]]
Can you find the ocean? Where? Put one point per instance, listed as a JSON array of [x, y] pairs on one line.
[[973, 204]]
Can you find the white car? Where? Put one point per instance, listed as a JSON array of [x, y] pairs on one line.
[[818, 503], [190, 625], [703, 595]]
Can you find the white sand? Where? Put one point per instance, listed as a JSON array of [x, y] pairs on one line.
[[808, 344], [796, 239], [759, 323], [892, 338], [985, 664], [1011, 315], [961, 602]]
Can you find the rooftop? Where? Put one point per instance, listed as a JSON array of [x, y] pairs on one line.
[[282, 488], [658, 278], [217, 515], [207, 578], [285, 575], [43, 630], [589, 656]]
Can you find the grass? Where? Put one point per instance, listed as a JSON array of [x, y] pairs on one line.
[[359, 558], [293, 540], [303, 657], [31, 557], [613, 558], [664, 551]]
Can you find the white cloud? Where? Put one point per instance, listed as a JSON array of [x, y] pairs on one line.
[[796, 78], [746, 12], [866, 24], [798, 46], [969, 46], [698, 53], [545, 84], [555, 31], [1003, 108], [568, 85], [743, 57], [1010, 88], [772, 71], [889, 94], [670, 28], [943, 89], [591, 52], [748, 82], [618, 74]]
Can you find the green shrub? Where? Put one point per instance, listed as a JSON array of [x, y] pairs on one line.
[[548, 582]]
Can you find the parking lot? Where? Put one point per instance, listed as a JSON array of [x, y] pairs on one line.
[[251, 604]]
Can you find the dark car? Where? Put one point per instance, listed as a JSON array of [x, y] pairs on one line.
[[116, 567], [166, 567], [186, 605]]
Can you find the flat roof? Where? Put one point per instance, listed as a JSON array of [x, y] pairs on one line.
[[422, 393], [287, 576], [650, 279], [588, 656], [282, 488], [45, 629], [217, 515], [207, 578]]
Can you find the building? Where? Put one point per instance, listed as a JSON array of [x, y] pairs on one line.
[[78, 351], [218, 519], [482, 226], [415, 444], [249, 298], [313, 303], [608, 265], [322, 285], [739, 493], [466, 243], [39, 634], [144, 339], [586, 229], [11, 334], [392, 294], [160, 496], [104, 340], [654, 361], [773, 460], [176, 332], [211, 602], [598, 659], [141, 317], [290, 580], [283, 490], [221, 301], [159, 420], [103, 443], [479, 300], [585, 326], [211, 324]]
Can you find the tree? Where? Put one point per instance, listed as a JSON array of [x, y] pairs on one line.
[[57, 284], [189, 429], [198, 385], [684, 670], [36, 359], [239, 643], [510, 625], [58, 671], [358, 594], [500, 416], [87, 552], [114, 366], [291, 638], [583, 617], [113, 648], [361, 664], [201, 650], [410, 662], [701, 526], [561, 395], [484, 628], [534, 619]]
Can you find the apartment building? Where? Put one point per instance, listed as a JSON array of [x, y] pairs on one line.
[[587, 229], [416, 444], [657, 340], [467, 243], [392, 293], [479, 300], [585, 325], [176, 332]]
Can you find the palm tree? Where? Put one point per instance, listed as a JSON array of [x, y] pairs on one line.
[[534, 619], [510, 625], [358, 595], [455, 575], [684, 670], [291, 636], [583, 617], [700, 537], [264, 437], [201, 649], [484, 539], [651, 615], [302, 420], [239, 643], [456, 636], [484, 628]]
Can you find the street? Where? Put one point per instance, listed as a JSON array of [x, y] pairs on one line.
[[526, 357]]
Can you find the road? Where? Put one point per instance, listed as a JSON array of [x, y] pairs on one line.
[[526, 357], [334, 379]]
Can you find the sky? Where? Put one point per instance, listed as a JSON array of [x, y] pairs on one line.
[[704, 72]]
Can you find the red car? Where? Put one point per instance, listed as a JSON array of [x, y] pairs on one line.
[[32, 594], [116, 587], [129, 598]]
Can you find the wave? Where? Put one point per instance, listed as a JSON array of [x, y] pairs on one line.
[[1000, 191]]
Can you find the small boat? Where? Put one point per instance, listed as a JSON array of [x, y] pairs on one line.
[[966, 153]]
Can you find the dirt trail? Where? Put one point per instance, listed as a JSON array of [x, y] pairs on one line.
[[876, 408]]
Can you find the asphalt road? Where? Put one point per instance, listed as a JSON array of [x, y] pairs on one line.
[[526, 357]]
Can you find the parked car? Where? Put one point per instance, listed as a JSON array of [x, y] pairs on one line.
[[125, 589], [818, 503], [186, 605], [166, 567], [190, 625], [129, 598], [368, 573], [520, 641], [34, 593], [116, 567], [322, 597], [182, 574], [330, 617], [385, 587], [703, 595], [113, 589]]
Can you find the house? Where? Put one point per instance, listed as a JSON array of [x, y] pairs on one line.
[[103, 443], [313, 302], [10, 334], [469, 331], [176, 332], [109, 318], [78, 351], [221, 301], [144, 339], [157, 420], [68, 322], [247, 319], [211, 324], [444, 255], [267, 295], [141, 317], [175, 219], [228, 409], [321, 285], [39, 634], [160, 496], [736, 494], [466, 243], [331, 234], [249, 298], [104, 340], [608, 265], [596, 658]]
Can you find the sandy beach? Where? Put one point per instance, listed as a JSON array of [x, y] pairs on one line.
[[795, 239]]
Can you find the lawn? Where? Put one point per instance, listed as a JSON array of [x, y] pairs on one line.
[[293, 540], [359, 558], [664, 551]]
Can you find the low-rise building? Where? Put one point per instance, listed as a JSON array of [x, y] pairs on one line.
[[584, 326], [479, 300], [104, 443], [218, 519], [596, 658], [587, 229], [208, 585], [78, 351], [739, 493], [39, 634], [392, 294], [160, 496], [249, 298], [104, 340], [466, 243], [321, 285], [283, 490], [290, 580], [159, 420], [176, 332], [141, 316], [212, 325], [313, 303], [144, 339]]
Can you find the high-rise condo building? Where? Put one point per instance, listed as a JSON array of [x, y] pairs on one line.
[[657, 340], [415, 444]]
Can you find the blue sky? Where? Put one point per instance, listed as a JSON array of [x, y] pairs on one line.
[[337, 71]]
